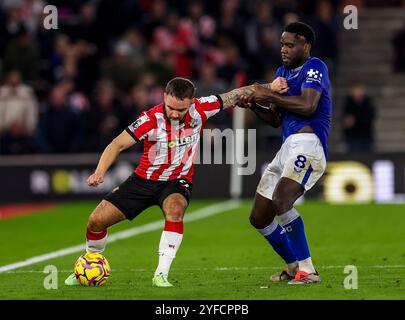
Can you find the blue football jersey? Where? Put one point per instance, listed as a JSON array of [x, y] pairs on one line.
[[312, 74]]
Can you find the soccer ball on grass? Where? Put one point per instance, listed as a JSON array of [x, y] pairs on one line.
[[92, 270]]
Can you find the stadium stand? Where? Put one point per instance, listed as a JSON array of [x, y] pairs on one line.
[[152, 41], [367, 54]]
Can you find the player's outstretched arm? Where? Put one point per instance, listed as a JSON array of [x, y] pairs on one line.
[[231, 98], [110, 153], [305, 104]]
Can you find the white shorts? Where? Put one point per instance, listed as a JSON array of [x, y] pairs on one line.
[[301, 158]]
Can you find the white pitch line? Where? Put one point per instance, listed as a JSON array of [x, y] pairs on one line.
[[192, 216], [227, 269]]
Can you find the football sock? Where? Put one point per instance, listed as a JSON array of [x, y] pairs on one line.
[[169, 244], [96, 241], [278, 239], [294, 226], [306, 265]]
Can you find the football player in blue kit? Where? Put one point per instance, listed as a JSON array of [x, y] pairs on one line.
[[304, 112]]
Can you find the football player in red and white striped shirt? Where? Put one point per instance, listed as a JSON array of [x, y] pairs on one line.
[[171, 134]]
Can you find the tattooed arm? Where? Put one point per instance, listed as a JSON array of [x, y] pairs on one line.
[[231, 98]]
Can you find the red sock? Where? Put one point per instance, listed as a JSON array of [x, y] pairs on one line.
[[91, 235], [174, 226]]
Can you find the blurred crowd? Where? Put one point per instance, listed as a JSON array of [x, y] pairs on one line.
[[75, 88]]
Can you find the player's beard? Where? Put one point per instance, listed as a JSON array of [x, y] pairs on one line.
[[291, 64], [295, 63]]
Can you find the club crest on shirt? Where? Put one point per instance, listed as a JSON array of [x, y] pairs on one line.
[[193, 122]]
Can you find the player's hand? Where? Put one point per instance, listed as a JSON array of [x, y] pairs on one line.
[[95, 179], [279, 85], [246, 101], [260, 95]]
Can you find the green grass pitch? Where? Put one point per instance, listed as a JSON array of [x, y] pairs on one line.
[[221, 257]]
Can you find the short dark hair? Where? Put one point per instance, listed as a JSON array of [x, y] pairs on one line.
[[301, 29], [180, 88]]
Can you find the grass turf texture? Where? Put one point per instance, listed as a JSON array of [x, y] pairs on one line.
[[221, 257]]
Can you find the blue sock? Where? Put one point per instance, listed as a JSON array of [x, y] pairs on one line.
[[294, 225], [278, 239]]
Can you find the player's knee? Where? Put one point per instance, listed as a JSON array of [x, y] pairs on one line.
[[253, 220], [281, 203], [95, 224], [174, 212], [256, 220]]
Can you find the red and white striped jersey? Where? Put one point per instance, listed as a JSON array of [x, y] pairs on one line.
[[170, 148]]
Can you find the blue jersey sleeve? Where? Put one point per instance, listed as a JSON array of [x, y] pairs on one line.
[[278, 73], [316, 75]]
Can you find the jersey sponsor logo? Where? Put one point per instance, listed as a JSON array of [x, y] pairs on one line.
[[180, 142], [141, 120], [314, 76]]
